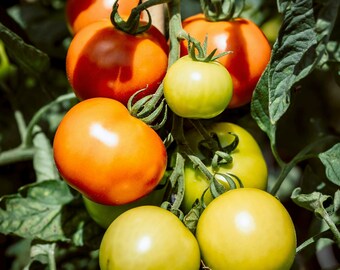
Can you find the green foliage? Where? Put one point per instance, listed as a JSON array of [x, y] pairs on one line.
[[45, 219]]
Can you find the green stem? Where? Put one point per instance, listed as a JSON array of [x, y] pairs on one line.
[[51, 258], [28, 141], [19, 118], [17, 154], [314, 239], [175, 30], [331, 226], [285, 169], [304, 154]]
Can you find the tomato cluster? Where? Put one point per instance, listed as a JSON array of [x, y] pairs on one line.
[[120, 164]]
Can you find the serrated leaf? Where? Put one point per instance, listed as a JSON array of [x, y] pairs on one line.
[[25, 55], [313, 201], [43, 161], [295, 54], [35, 212], [260, 110], [331, 160], [48, 211]]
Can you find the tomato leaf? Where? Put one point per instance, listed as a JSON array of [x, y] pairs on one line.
[[325, 207], [313, 202], [48, 211], [34, 212], [331, 161], [27, 56], [43, 160], [300, 46]]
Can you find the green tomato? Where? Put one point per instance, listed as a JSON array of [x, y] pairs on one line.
[[103, 215], [148, 237], [248, 163], [195, 89], [246, 229]]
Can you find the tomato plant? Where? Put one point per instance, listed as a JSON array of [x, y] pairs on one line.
[[108, 155], [112, 154], [148, 237], [249, 51], [248, 163], [246, 228], [105, 214], [103, 61], [197, 89], [82, 13]]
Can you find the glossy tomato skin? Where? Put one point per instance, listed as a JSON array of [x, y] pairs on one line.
[[250, 51], [246, 229], [80, 13], [148, 237], [105, 62], [195, 89], [106, 154], [248, 164], [103, 214]]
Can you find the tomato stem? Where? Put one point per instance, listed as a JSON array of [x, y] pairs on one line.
[[28, 141], [221, 10], [133, 25], [146, 107], [304, 154]]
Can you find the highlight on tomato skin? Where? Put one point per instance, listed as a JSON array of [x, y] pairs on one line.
[[148, 237], [106, 154], [249, 51], [246, 228], [197, 89], [102, 61], [80, 13]]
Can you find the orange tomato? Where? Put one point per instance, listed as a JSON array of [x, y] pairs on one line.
[[80, 13], [250, 51], [106, 154], [105, 62]]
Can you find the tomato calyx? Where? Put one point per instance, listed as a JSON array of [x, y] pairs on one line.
[[221, 10], [133, 25], [198, 51]]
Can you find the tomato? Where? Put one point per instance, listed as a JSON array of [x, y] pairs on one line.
[[105, 62], [248, 163], [195, 89], [106, 154], [104, 214], [246, 229], [80, 13], [271, 28], [249, 46], [148, 237]]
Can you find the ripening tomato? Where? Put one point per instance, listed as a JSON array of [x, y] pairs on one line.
[[106, 154], [250, 51], [103, 214], [105, 62], [248, 163], [244, 229], [80, 13], [195, 89], [148, 238]]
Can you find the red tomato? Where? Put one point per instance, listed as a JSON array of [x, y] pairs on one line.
[[80, 13], [106, 154], [105, 62], [249, 46]]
